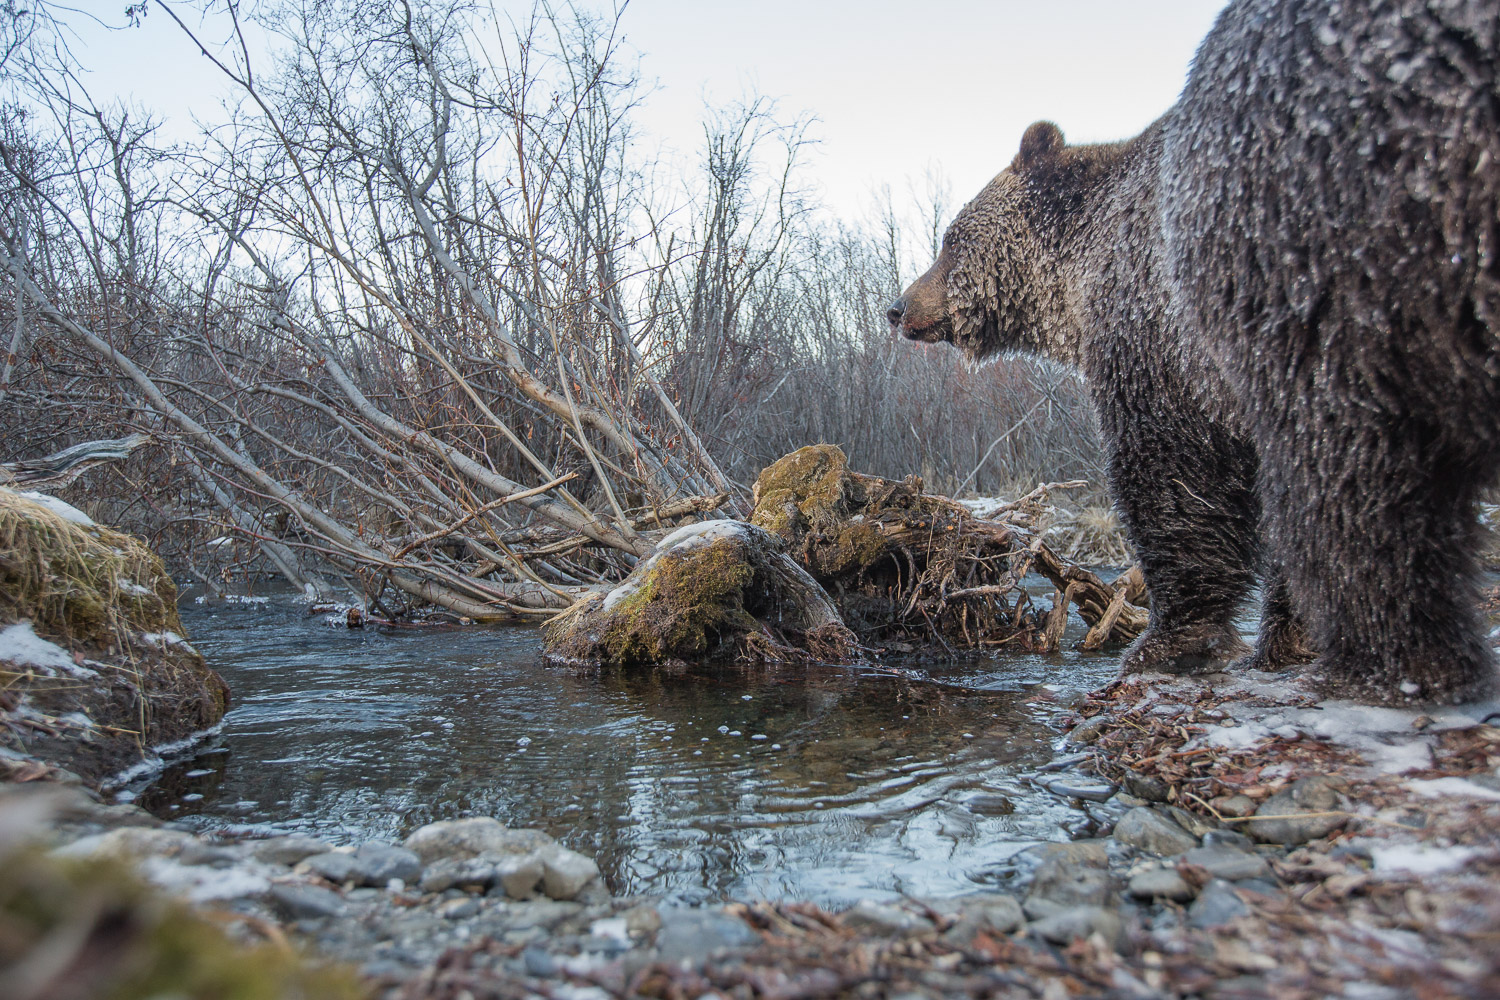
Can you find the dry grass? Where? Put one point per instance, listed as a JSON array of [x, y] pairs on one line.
[[1091, 536], [78, 583]]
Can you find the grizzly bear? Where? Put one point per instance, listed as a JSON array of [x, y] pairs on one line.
[[1285, 298]]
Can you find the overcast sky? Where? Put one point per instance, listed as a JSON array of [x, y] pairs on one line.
[[898, 87]]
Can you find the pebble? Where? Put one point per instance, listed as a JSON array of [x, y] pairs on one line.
[[1217, 904], [520, 875], [378, 864], [1228, 838], [1317, 794], [1080, 922], [1145, 786], [687, 934], [885, 920], [1066, 879], [1228, 863], [990, 805], [1238, 806], [565, 872], [1093, 791], [1145, 828], [1162, 883], [474, 874], [465, 838], [287, 850], [458, 909], [995, 912], [302, 902]]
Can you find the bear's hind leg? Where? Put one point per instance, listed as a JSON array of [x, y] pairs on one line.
[[1377, 534]]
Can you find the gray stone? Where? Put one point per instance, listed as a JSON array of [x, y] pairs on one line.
[[468, 874], [689, 934], [1161, 883], [377, 864], [997, 911], [990, 805], [993, 912], [885, 920], [335, 866], [1216, 905], [1150, 831], [520, 874], [642, 920], [1094, 853], [129, 843], [303, 902], [1198, 826], [1229, 838], [1228, 863], [286, 850], [1316, 795], [1081, 788], [1238, 806], [458, 909], [565, 872], [464, 838], [1070, 878], [1146, 786], [1081, 922], [537, 962], [1087, 732]]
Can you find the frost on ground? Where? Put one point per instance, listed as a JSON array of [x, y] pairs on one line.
[[20, 646], [1388, 821]]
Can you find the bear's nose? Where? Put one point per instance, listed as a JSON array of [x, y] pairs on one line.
[[896, 312]]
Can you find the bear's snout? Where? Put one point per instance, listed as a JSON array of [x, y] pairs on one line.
[[896, 312]]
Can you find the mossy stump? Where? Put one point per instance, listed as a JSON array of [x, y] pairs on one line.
[[717, 590], [107, 600]]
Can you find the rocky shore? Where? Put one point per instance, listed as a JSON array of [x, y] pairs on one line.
[[1248, 842]]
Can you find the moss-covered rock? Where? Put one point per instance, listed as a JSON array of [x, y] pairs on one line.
[[107, 602], [716, 590]]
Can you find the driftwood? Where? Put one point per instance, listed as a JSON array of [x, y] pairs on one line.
[[836, 565], [906, 566], [61, 468]]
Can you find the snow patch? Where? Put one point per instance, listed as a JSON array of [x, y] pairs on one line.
[[132, 588], [61, 508], [1433, 788], [686, 537], [19, 644], [1418, 859]]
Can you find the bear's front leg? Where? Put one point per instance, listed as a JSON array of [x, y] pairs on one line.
[[1185, 487]]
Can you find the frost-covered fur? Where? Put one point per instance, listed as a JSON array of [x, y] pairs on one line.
[[1285, 293]]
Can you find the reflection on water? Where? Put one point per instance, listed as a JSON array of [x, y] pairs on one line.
[[826, 784]]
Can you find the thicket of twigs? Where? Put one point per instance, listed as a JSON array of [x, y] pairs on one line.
[[422, 314]]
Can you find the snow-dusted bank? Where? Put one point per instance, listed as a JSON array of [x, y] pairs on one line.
[[95, 675]]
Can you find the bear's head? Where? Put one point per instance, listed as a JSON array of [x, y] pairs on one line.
[[992, 288]]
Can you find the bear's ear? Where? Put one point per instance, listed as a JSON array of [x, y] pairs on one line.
[[1040, 144]]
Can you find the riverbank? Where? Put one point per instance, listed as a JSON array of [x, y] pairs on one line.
[[96, 676], [1250, 843]]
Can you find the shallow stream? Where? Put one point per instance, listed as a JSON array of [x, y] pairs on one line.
[[826, 784]]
